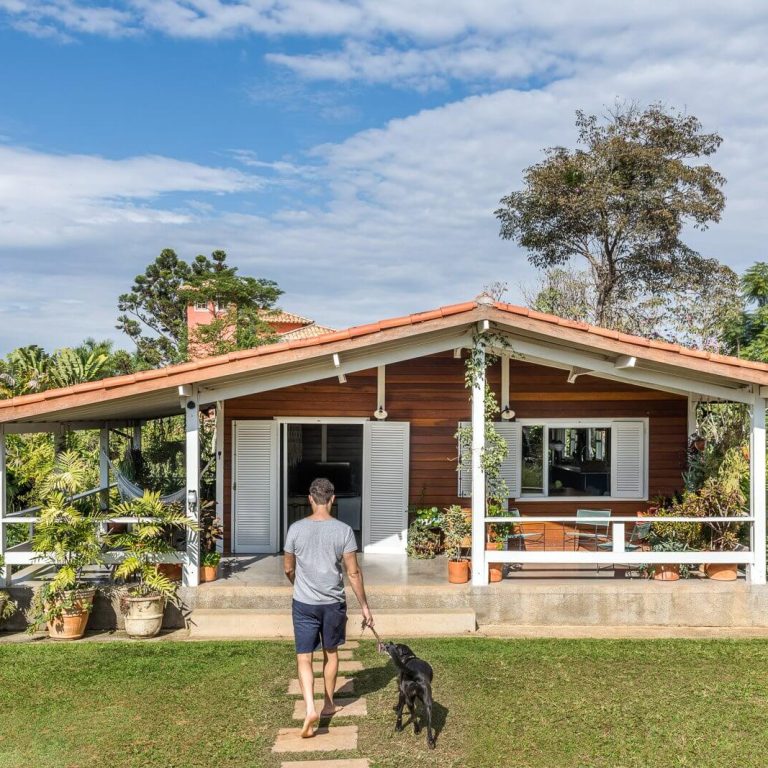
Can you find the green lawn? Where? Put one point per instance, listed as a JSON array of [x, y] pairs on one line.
[[563, 704]]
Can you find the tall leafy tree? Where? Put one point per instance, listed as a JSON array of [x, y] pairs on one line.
[[618, 205], [747, 335], [154, 310]]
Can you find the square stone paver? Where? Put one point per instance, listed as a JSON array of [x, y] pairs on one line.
[[335, 739], [343, 655], [352, 708], [344, 666], [344, 686], [354, 762]]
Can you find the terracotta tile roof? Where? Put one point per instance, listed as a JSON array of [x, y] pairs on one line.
[[537, 322], [306, 332], [281, 316]]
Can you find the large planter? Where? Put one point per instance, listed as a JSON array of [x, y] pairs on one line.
[[209, 573], [73, 620], [666, 572], [458, 571], [143, 615], [495, 572], [722, 571]]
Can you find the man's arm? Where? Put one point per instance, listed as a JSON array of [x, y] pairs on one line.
[[355, 576], [289, 566]]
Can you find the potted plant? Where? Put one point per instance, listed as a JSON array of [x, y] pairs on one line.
[[666, 571], [425, 534], [212, 532], [7, 606], [148, 589], [68, 534], [455, 528]]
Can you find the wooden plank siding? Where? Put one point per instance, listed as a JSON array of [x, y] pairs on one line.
[[429, 393]]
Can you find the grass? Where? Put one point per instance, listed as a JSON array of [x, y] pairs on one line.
[[563, 704]]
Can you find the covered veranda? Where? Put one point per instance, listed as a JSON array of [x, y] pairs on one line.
[[126, 402]]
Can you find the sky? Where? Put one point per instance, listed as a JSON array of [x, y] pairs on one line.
[[352, 151]]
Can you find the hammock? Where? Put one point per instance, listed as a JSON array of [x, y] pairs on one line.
[[129, 490]]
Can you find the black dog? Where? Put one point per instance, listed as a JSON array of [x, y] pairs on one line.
[[415, 682]]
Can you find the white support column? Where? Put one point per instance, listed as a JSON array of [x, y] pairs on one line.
[[104, 466], [693, 422], [219, 447], [757, 491], [479, 567], [192, 500], [5, 580]]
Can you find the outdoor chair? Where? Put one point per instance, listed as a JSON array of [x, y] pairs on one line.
[[520, 536], [593, 533], [640, 532]]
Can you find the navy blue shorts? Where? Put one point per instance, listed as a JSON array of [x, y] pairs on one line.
[[319, 626]]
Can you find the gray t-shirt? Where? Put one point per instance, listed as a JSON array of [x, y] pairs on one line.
[[319, 546]]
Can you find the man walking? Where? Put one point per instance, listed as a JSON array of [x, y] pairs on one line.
[[315, 549]]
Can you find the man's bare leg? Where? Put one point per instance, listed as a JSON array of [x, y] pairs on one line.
[[307, 685], [330, 671]]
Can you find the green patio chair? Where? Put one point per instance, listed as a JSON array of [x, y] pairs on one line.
[[520, 536], [590, 532], [640, 532]]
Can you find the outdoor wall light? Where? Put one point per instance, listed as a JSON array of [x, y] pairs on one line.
[[507, 413], [380, 413], [192, 499]]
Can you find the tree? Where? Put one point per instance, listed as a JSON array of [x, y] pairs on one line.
[[620, 204], [694, 315], [747, 334], [155, 310]]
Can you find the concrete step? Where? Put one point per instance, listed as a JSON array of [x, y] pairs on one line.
[[339, 738], [354, 762], [344, 686], [350, 708], [269, 623], [344, 666]]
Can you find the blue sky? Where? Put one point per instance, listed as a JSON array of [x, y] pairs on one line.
[[353, 151]]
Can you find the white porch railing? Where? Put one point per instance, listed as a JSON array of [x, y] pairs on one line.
[[617, 536]]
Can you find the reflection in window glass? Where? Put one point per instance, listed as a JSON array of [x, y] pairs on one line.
[[533, 459], [579, 461]]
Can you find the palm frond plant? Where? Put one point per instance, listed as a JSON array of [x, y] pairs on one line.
[[147, 588], [67, 536], [7, 606]]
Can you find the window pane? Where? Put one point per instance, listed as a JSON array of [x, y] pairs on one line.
[[579, 461], [533, 459]]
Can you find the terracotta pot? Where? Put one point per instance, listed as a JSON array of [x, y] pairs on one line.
[[208, 573], [143, 616], [722, 571], [666, 572], [495, 572], [458, 571], [71, 624], [171, 570]]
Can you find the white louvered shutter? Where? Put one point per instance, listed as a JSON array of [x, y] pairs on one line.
[[387, 446], [628, 460], [510, 467], [255, 497], [512, 432], [464, 471]]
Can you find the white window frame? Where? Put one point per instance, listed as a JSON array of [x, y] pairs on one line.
[[548, 424], [202, 306]]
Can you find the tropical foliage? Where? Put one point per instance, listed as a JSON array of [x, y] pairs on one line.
[[148, 539]]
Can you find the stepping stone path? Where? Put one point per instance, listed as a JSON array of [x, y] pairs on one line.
[[327, 738]]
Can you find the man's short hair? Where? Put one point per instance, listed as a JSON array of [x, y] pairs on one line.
[[321, 490]]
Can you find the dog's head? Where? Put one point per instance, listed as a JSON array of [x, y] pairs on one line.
[[398, 651]]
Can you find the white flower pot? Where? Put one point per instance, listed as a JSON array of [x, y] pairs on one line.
[[144, 616]]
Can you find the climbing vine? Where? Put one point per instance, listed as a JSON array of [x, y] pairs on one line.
[[494, 450]]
